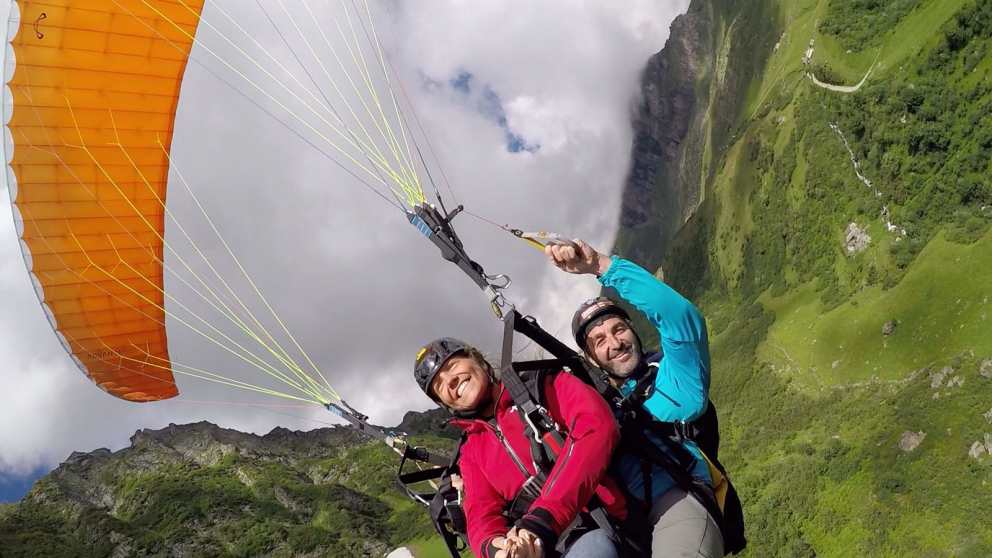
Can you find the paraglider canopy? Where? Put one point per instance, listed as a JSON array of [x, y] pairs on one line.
[[90, 104]]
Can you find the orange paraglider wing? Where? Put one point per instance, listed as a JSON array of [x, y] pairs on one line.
[[92, 88]]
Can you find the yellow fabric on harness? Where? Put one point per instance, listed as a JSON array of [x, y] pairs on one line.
[[720, 484]]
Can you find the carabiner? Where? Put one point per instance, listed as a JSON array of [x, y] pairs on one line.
[[506, 281]]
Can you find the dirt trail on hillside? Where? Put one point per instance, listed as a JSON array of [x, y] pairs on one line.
[[843, 88]]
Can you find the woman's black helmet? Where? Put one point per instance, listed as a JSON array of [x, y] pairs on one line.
[[432, 357]]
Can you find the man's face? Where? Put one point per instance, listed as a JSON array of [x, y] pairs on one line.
[[614, 347], [461, 383]]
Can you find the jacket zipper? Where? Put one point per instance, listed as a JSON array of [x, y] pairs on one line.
[[506, 445], [513, 454], [560, 462]]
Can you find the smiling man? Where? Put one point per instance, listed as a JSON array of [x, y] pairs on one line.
[[604, 331], [672, 385]]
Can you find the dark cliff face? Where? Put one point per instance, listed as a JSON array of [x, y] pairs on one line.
[[661, 191], [692, 95]]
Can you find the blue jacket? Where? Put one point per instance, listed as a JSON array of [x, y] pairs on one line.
[[682, 385]]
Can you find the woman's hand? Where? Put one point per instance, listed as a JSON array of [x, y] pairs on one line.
[[520, 544]]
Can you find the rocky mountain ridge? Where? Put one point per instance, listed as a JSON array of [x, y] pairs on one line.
[[202, 490]]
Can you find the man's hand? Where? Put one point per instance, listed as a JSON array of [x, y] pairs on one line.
[[585, 260]]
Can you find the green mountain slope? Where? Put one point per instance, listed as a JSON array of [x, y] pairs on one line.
[[199, 490], [845, 440]]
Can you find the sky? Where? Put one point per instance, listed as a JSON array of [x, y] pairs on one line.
[[521, 111]]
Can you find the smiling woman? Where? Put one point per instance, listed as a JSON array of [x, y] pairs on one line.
[[524, 496], [457, 376]]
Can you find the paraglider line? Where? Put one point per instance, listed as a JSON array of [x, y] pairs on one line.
[[255, 287], [360, 145], [376, 47], [330, 105], [363, 147], [298, 372], [493, 223], [404, 158], [255, 85], [271, 115], [237, 404], [120, 260], [416, 118]]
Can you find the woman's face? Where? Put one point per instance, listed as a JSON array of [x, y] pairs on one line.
[[461, 383]]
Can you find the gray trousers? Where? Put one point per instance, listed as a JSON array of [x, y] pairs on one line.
[[683, 528]]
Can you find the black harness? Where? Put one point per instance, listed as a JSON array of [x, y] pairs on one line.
[[638, 425]]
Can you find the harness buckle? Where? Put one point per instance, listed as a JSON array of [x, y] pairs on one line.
[[544, 419], [530, 483], [457, 501], [684, 430]]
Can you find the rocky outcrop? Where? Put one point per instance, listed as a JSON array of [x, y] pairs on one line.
[[986, 368], [937, 378], [434, 421], [911, 440], [855, 239], [977, 450]]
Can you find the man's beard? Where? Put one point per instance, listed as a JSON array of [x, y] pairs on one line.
[[625, 369]]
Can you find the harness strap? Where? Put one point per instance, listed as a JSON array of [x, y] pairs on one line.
[[444, 504], [421, 475], [633, 404], [546, 446], [725, 508], [636, 429], [424, 456]]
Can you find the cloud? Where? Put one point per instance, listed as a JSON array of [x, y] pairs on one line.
[[487, 103], [537, 137]]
